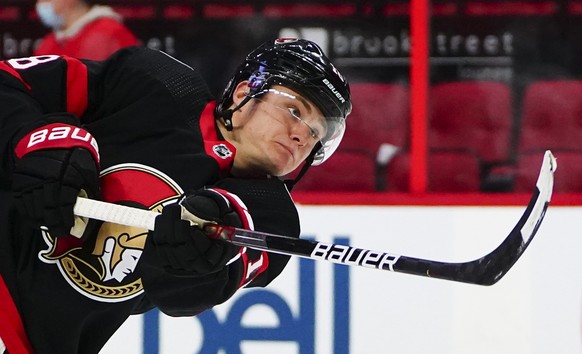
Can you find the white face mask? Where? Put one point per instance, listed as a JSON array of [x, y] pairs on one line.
[[47, 15]]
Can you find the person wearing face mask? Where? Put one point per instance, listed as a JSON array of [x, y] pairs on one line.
[[82, 29]]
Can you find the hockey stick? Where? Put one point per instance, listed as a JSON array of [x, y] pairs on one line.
[[483, 271]]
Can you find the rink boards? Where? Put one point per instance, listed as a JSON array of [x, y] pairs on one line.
[[318, 307]]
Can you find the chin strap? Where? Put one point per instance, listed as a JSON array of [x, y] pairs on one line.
[[290, 183]]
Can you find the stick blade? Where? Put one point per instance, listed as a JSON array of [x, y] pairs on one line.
[[499, 262]]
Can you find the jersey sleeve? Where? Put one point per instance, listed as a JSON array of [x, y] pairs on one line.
[[31, 88], [272, 210], [107, 97], [54, 83]]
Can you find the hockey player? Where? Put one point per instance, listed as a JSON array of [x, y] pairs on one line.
[[142, 129]]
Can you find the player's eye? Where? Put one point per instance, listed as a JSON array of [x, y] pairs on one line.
[[296, 113]]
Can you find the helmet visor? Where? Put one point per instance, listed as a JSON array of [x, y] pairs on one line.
[[331, 142], [327, 131]]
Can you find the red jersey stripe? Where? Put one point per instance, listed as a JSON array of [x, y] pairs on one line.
[[77, 81], [220, 150]]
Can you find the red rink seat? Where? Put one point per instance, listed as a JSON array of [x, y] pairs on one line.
[[552, 120], [448, 171], [380, 115], [349, 171], [567, 179], [552, 116], [474, 116]]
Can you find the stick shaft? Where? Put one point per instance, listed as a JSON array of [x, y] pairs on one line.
[[115, 213], [486, 270]]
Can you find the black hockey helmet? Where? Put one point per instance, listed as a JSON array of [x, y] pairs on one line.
[[300, 65]]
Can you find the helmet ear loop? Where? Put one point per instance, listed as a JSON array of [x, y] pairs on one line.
[[227, 114], [254, 92]]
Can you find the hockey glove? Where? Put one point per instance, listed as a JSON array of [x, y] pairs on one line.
[[183, 248], [55, 164]]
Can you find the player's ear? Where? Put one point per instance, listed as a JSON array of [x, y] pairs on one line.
[[240, 92]]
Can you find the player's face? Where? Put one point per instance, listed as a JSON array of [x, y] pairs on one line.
[[277, 131]]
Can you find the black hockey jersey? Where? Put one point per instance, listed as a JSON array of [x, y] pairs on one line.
[[153, 119]]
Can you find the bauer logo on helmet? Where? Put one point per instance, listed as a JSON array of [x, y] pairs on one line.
[[334, 91]]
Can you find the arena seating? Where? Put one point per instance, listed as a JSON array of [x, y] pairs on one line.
[[470, 131], [470, 124], [378, 125], [473, 116], [551, 119], [348, 171], [448, 171]]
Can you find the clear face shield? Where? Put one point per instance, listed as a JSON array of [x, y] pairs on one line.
[[331, 142], [327, 131]]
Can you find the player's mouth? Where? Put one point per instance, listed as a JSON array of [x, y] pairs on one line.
[[288, 149]]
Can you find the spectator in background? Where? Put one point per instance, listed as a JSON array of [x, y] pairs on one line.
[[82, 29]]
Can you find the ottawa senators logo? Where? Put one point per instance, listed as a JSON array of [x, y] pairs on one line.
[[103, 268]]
